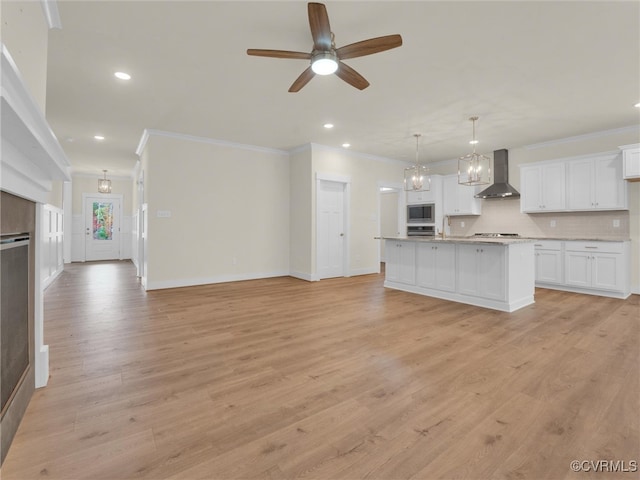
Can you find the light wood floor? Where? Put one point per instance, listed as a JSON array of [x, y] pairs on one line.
[[338, 379]]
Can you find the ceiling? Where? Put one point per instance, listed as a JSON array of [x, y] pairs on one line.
[[532, 72]]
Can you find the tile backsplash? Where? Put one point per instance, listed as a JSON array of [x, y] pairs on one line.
[[503, 216]]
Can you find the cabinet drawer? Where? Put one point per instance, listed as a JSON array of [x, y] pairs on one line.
[[608, 247], [548, 245]]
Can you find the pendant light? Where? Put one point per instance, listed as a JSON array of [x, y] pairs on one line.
[[104, 185], [474, 169], [417, 178]]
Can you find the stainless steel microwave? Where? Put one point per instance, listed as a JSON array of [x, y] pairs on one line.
[[423, 213]]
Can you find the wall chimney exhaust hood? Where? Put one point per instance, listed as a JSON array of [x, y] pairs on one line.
[[500, 187]]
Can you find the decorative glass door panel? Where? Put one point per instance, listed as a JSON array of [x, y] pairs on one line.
[[102, 228], [102, 220]]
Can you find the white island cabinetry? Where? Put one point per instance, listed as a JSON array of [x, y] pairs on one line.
[[400, 263], [493, 274], [481, 271], [436, 266]]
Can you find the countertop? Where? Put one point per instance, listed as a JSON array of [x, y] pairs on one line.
[[497, 240], [474, 240]]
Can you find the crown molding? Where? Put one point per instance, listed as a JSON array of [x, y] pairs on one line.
[[586, 136], [51, 13], [147, 133]]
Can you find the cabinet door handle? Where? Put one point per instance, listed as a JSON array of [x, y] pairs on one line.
[[590, 247]]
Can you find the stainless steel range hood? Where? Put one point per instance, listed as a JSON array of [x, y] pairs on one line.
[[500, 187]]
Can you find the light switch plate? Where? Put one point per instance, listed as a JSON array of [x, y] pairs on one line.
[[616, 223], [552, 223]]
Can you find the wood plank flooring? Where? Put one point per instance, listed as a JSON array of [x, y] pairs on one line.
[[338, 379]]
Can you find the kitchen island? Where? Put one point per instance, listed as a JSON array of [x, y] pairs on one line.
[[496, 273]]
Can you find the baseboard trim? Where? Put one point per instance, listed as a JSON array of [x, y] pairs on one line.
[[191, 282], [304, 276], [364, 271]]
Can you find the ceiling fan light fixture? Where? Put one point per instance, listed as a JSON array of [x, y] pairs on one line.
[[324, 63]]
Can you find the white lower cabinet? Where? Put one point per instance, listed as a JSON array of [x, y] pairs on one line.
[[596, 265], [549, 262], [481, 271], [400, 261], [436, 266]]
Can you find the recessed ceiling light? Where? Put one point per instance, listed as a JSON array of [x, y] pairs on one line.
[[98, 137], [328, 125], [346, 145], [637, 105], [122, 76]]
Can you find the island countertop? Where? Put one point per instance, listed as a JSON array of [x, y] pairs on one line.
[[454, 239]]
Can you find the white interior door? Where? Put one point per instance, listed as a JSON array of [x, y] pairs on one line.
[[102, 227], [331, 229]]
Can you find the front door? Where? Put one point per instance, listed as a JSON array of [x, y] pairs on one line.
[[102, 228], [331, 229]]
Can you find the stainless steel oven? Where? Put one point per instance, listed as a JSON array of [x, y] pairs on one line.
[[421, 231]]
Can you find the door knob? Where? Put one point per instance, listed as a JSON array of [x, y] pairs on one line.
[[342, 234]]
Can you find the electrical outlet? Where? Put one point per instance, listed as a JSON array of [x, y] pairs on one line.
[[616, 223], [234, 261], [163, 214], [462, 224], [552, 224]]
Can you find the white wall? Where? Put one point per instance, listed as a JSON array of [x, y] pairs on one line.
[[388, 217], [229, 212], [366, 174], [25, 33], [301, 230]]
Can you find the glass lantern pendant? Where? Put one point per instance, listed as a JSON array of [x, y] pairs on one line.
[[416, 177], [474, 168], [104, 185]]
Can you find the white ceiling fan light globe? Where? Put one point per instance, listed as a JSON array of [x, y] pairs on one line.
[[324, 63]]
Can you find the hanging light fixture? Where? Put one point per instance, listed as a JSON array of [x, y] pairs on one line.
[[104, 185], [417, 178], [474, 169]]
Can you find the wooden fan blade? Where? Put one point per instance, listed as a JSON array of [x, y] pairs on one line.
[[302, 80], [368, 47], [349, 75], [278, 54], [320, 28]]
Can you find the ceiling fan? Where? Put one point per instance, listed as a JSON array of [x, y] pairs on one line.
[[325, 57]]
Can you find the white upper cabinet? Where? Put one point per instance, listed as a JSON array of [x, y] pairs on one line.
[[542, 188], [433, 195], [631, 162], [596, 183], [460, 199], [586, 183]]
